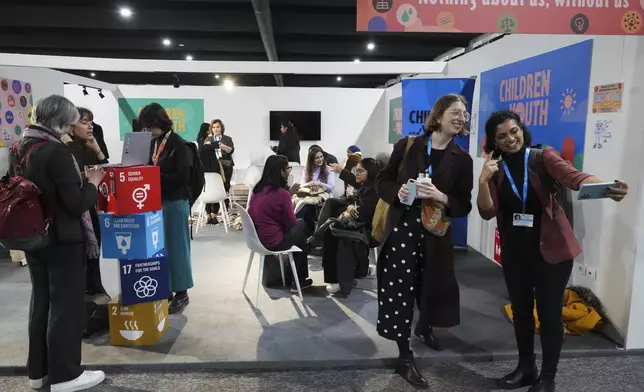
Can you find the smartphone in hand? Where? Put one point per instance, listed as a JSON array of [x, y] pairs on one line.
[[411, 185]]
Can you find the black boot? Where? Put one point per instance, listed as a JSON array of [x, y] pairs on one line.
[[406, 367], [179, 303], [525, 374], [429, 338], [545, 383]]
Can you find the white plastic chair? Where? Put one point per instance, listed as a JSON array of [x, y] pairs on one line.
[[255, 246], [338, 186], [253, 175], [214, 192], [296, 173]]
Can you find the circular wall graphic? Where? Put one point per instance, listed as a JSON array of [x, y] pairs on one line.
[[632, 22], [382, 6], [4, 84], [17, 87], [406, 15], [28, 88], [23, 101], [507, 23], [445, 20], [9, 117], [377, 23], [579, 24], [18, 130], [11, 101]]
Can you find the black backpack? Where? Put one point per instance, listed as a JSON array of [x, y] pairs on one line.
[[563, 195], [197, 177]]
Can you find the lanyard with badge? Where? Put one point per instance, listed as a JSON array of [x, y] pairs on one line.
[[521, 219], [218, 149], [428, 173], [158, 148]]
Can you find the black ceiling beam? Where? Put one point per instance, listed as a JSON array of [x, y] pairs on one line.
[[262, 10]]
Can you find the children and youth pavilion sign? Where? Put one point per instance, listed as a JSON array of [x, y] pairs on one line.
[[596, 17]]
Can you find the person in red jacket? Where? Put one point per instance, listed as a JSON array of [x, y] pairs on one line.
[[538, 244]]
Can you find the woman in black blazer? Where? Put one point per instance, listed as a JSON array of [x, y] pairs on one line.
[[57, 312], [211, 164], [224, 147]]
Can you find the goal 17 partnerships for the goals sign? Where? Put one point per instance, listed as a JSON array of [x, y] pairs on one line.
[[598, 17]]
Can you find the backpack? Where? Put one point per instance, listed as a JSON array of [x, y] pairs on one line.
[[562, 195], [197, 176], [23, 224]]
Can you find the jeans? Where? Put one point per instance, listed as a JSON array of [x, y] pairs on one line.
[[296, 236]]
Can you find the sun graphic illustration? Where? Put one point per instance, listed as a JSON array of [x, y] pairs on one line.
[[568, 101]]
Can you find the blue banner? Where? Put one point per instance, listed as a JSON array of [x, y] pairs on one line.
[[549, 92], [418, 98]]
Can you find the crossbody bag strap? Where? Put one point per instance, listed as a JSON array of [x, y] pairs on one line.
[[410, 142]]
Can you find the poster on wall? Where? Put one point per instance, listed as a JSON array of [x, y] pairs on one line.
[[16, 104], [607, 98], [593, 17], [395, 120], [550, 94], [187, 114], [418, 98]]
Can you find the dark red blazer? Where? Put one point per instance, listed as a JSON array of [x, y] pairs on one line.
[[558, 241]]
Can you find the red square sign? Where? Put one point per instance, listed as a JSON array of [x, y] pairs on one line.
[[130, 190], [497, 246]]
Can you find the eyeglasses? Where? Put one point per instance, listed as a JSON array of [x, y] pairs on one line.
[[459, 114], [288, 167], [360, 171]]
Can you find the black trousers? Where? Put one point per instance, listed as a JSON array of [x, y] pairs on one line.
[[308, 213], [332, 208], [93, 277], [57, 312], [296, 236], [529, 276]]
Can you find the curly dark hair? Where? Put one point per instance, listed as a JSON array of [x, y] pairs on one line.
[[154, 116], [498, 118]]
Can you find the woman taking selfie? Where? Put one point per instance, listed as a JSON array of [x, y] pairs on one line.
[[538, 244], [289, 144], [415, 265], [211, 164]]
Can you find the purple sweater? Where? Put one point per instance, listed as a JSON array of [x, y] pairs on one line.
[[272, 213]]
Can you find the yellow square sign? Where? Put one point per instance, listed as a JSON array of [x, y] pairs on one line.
[[137, 325]]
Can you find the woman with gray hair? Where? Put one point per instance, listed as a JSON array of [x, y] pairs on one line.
[[56, 314]]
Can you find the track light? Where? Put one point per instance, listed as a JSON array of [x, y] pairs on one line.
[[175, 78], [100, 93], [85, 93]]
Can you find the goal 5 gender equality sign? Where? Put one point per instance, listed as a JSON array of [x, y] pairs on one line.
[[598, 17]]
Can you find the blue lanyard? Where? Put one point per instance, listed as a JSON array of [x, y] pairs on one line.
[[429, 153], [525, 179]]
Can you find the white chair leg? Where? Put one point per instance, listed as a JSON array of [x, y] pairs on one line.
[[200, 218], [224, 215], [297, 278], [281, 260], [259, 281], [250, 263]]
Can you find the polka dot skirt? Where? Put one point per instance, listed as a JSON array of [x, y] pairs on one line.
[[398, 283]]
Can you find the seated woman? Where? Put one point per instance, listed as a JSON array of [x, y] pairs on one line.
[[342, 269], [315, 174], [271, 210]]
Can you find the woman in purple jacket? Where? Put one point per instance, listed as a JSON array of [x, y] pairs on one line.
[[538, 244], [271, 210]]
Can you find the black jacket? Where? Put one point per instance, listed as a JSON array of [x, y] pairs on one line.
[[367, 199], [83, 154], [227, 156], [100, 138], [175, 163], [289, 146], [51, 167]]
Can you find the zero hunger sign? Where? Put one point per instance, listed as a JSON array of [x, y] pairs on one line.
[[597, 17]]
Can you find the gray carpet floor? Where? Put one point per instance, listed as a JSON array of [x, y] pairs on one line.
[[613, 374]]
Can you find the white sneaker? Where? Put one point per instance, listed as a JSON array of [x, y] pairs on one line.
[[85, 381], [333, 288], [38, 384]]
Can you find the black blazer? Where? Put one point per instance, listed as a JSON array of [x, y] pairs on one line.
[[51, 167], [100, 138], [367, 200], [289, 146], [174, 163]]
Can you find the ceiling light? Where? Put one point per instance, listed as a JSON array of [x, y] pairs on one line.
[[339, 78], [216, 76], [92, 74], [182, 45], [356, 61], [175, 79], [100, 93], [167, 42], [229, 84], [85, 93], [371, 46], [189, 58], [125, 12]]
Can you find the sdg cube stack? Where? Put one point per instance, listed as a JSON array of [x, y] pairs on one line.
[[132, 232]]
